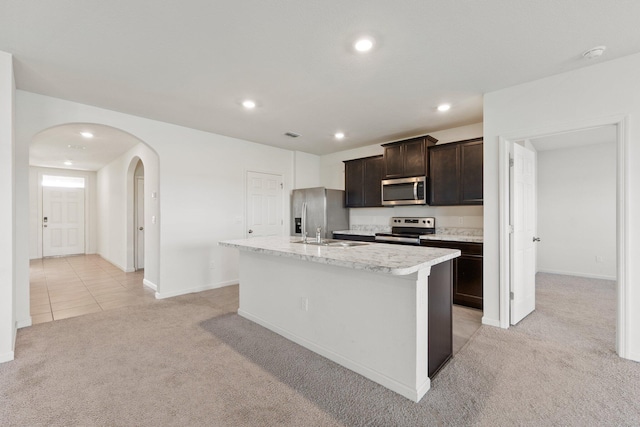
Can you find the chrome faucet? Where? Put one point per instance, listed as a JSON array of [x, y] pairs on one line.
[[303, 226], [319, 235]]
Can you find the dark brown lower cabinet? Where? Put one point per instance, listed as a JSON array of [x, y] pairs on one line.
[[467, 271]]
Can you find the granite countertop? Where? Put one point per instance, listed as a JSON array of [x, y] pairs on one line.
[[453, 238], [375, 257]]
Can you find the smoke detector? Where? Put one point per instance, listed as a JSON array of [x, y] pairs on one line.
[[594, 52]]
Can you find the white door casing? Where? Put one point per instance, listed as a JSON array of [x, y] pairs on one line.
[[139, 224], [523, 222], [62, 221], [264, 204]]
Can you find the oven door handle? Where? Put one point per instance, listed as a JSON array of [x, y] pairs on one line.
[[398, 239]]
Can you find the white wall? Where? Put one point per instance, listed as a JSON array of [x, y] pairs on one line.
[[306, 170], [201, 186], [115, 185], [7, 268], [577, 211], [35, 207], [332, 176], [598, 93]]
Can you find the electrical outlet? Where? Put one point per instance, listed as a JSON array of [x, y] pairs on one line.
[[599, 258], [460, 220], [304, 304], [212, 265]]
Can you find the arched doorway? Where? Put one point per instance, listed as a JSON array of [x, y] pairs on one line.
[[118, 167]]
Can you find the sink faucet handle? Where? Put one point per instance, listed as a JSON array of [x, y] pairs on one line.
[[319, 234]]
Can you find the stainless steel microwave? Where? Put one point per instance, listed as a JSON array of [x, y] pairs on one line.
[[404, 191]]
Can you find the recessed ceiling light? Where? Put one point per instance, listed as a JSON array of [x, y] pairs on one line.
[[444, 107], [594, 52], [68, 162], [86, 134], [339, 135], [249, 104], [77, 147], [363, 45]]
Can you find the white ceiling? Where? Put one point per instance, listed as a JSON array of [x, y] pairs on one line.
[[599, 135], [192, 62], [53, 146]]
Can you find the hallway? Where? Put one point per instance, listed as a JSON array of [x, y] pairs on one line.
[[82, 284]]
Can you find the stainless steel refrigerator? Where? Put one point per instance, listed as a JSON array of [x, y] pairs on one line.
[[324, 208]]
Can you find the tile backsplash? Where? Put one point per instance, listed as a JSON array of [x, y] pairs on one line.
[[459, 217]]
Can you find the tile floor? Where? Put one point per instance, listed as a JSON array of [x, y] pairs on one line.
[[466, 322], [82, 284]]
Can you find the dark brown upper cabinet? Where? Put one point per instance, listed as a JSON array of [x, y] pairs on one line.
[[407, 158], [455, 173], [362, 179]]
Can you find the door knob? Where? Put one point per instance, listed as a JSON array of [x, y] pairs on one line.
[[250, 231], [536, 239], [45, 226], [140, 228]]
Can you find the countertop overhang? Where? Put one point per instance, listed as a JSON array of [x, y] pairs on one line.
[[375, 257]]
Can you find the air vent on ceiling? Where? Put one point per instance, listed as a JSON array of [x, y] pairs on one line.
[[292, 134]]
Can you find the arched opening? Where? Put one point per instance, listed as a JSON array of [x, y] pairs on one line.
[[117, 168]]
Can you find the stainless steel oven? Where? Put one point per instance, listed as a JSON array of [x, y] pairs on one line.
[[407, 230], [404, 191]]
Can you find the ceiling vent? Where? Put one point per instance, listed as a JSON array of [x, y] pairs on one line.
[[594, 52], [292, 134]]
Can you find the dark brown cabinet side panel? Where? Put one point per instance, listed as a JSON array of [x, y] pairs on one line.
[[471, 156], [353, 183], [444, 176], [373, 174], [440, 313]]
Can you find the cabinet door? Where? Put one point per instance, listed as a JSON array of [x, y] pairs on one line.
[[471, 156], [444, 179], [414, 158], [467, 281], [353, 183], [393, 159], [373, 174]]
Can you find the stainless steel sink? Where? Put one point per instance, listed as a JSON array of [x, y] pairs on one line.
[[333, 243]]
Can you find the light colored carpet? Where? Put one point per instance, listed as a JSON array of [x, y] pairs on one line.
[[190, 361]]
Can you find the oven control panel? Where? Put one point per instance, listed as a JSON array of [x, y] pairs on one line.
[[414, 222]]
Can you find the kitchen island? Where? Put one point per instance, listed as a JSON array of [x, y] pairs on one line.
[[383, 311]]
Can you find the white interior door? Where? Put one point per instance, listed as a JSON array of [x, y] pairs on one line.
[[139, 224], [63, 221], [264, 204], [523, 221]]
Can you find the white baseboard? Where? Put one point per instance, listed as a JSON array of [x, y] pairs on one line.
[[573, 273], [634, 356], [150, 285], [24, 323], [6, 357], [163, 295], [126, 270], [412, 394], [490, 322]]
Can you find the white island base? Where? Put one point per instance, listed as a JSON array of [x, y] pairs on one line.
[[392, 328]]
